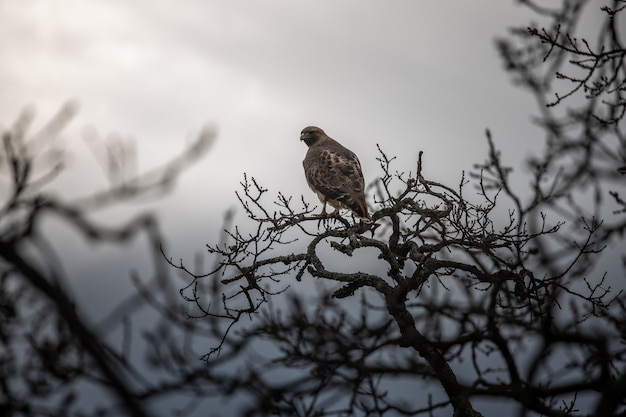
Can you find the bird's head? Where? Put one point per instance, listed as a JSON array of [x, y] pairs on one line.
[[311, 134]]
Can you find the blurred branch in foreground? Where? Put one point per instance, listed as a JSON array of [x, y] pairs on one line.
[[50, 351]]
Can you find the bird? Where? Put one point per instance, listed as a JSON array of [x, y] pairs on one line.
[[334, 173]]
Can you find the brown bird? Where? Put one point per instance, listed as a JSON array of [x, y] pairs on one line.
[[334, 173]]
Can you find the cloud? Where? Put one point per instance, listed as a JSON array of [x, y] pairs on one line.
[[411, 76]]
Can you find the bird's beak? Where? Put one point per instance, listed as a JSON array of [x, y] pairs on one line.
[[301, 136]]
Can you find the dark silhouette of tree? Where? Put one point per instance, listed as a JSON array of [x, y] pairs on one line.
[[49, 350], [452, 282], [465, 294], [456, 298], [579, 85]]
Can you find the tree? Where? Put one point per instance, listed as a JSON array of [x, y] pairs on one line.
[[584, 141], [50, 351], [457, 297], [501, 298]]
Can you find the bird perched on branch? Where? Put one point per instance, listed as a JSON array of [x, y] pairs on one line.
[[334, 173]]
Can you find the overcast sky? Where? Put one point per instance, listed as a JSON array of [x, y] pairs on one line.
[[409, 75]]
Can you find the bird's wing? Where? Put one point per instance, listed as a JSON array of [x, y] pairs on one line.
[[335, 172]]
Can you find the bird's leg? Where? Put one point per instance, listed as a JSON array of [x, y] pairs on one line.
[[336, 214], [323, 215]]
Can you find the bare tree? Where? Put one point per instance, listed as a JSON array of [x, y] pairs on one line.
[[50, 352], [579, 85], [452, 282], [496, 296]]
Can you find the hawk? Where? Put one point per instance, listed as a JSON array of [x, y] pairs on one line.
[[334, 173]]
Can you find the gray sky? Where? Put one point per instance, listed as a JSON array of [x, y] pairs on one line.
[[409, 75]]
